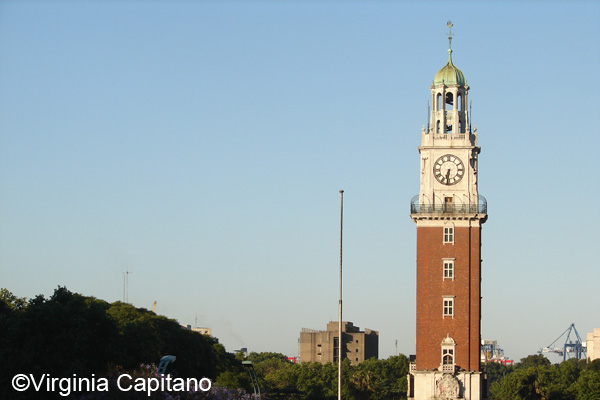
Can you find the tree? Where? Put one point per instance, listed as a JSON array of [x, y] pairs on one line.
[[536, 379], [11, 301], [534, 360], [70, 334], [587, 386]]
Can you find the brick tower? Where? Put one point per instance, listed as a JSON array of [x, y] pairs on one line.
[[449, 213]]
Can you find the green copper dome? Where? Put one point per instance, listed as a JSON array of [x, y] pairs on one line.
[[449, 74]]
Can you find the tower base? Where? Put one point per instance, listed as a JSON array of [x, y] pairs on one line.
[[433, 385]]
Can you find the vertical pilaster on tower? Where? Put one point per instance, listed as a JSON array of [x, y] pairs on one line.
[[449, 213]]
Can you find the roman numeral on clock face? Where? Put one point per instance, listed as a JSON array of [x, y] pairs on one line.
[[448, 169]]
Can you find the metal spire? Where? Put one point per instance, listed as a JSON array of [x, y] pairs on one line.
[[449, 25]]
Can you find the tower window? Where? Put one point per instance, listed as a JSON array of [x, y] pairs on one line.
[[439, 101], [448, 305], [438, 127], [449, 101], [448, 356], [448, 269], [449, 235], [448, 346]]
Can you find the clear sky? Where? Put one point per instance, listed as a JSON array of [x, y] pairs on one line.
[[202, 145]]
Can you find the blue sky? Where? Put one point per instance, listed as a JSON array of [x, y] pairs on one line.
[[202, 145]]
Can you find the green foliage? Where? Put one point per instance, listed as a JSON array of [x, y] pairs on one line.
[[69, 334], [587, 386], [381, 379], [496, 371], [9, 302], [260, 357], [535, 378], [370, 380], [233, 380], [535, 360]]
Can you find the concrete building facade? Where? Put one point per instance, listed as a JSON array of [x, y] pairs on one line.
[[203, 331], [593, 344], [323, 346], [449, 213]]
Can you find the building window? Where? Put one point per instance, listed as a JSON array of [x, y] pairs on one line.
[[448, 307], [448, 362], [449, 235], [447, 356], [336, 349], [448, 269]]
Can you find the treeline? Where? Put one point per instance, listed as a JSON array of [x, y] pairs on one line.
[[535, 378], [70, 334], [372, 379]]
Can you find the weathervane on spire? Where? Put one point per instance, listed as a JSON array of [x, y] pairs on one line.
[[449, 25]]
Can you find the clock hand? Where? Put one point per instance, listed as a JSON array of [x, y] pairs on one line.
[[448, 176]]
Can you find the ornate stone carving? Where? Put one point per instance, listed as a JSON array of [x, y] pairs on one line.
[[447, 387]]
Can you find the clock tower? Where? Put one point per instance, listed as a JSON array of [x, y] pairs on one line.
[[449, 213]]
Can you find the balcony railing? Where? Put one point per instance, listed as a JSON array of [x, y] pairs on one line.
[[448, 368], [480, 208]]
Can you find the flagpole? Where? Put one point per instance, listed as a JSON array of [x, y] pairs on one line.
[[340, 303]]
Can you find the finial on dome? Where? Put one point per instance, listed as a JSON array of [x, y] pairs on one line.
[[449, 24], [449, 74]]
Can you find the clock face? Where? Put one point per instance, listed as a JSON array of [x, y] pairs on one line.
[[448, 169]]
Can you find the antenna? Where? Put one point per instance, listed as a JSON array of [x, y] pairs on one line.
[[126, 286], [449, 24]]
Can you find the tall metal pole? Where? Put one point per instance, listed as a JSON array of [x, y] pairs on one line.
[[340, 303], [126, 286]]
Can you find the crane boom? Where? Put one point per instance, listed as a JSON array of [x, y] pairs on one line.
[[570, 346]]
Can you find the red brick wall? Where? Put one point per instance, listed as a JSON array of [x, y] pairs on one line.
[[464, 328]]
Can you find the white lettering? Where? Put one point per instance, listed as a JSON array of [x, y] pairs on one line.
[[128, 388], [65, 389], [178, 384], [37, 385], [79, 385], [153, 385], [140, 385], [208, 384], [103, 385]]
